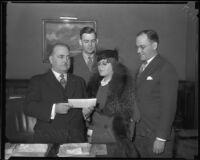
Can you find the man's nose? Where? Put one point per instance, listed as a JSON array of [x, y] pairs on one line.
[[65, 60], [138, 50], [90, 43], [100, 67]]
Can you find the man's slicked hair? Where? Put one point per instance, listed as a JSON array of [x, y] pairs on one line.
[[151, 34], [87, 30], [55, 45]]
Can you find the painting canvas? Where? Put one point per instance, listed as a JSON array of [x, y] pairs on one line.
[[64, 31]]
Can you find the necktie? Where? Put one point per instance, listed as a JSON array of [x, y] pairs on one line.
[[62, 80], [142, 67], [89, 63]]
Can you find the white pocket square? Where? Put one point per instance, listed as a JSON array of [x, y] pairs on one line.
[[149, 78]]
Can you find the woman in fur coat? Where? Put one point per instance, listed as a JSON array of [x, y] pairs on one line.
[[113, 119]]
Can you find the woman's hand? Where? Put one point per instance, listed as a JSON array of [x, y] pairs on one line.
[[87, 111]]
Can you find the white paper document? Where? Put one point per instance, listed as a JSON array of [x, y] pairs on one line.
[[74, 149], [25, 150], [32, 148], [82, 103]]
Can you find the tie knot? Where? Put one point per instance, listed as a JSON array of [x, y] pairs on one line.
[[90, 63], [144, 62], [89, 59], [62, 80], [62, 76]]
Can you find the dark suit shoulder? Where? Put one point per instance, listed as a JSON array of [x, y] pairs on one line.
[[166, 63], [168, 69], [37, 77], [78, 56], [40, 76]]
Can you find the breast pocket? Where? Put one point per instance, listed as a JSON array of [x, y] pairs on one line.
[[151, 84]]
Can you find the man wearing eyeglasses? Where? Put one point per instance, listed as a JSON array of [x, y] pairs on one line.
[[156, 96]]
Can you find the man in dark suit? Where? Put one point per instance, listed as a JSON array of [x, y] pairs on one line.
[[47, 100], [84, 63], [156, 95]]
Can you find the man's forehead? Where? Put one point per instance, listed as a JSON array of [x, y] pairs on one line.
[[88, 36], [61, 49], [142, 39]]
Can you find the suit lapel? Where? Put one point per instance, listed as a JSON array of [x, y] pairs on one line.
[[84, 64], [154, 64], [66, 92], [94, 67], [69, 88], [82, 61], [57, 87], [69, 92], [53, 82]]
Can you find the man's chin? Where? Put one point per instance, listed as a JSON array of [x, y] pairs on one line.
[[102, 74], [90, 52], [65, 70], [142, 59]]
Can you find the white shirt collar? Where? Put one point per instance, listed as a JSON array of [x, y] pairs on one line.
[[149, 60], [85, 56], [104, 82], [57, 75]]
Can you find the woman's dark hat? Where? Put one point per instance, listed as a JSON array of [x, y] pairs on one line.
[[104, 54]]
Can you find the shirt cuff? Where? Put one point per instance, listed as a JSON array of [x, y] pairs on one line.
[[53, 113], [89, 132], [160, 139]]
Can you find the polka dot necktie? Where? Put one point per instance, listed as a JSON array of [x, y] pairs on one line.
[[62, 80], [89, 63]]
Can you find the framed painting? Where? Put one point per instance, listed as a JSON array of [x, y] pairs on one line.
[[64, 31]]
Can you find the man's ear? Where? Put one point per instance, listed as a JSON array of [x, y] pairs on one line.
[[50, 59], [155, 45], [80, 42], [97, 41]]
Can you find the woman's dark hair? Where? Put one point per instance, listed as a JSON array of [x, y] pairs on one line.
[[105, 54]]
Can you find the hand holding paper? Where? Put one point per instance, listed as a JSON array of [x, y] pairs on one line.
[[86, 112], [62, 108]]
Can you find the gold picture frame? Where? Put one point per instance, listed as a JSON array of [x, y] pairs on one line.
[[64, 31]]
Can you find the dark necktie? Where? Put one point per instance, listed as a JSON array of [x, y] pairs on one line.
[[89, 63], [62, 80]]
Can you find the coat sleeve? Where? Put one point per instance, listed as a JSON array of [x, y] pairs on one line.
[[168, 94], [34, 106], [135, 118], [136, 112]]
